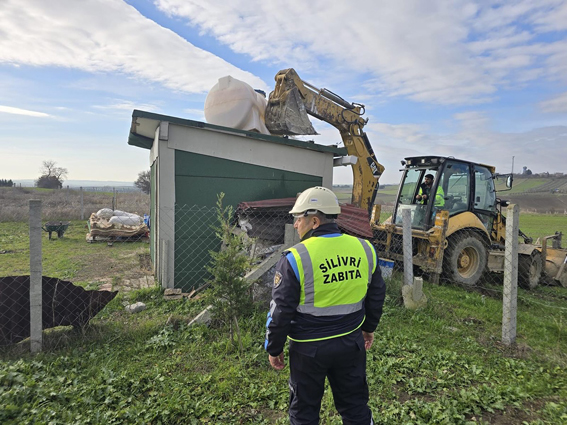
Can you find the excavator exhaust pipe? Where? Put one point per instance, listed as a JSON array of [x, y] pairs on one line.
[[286, 114]]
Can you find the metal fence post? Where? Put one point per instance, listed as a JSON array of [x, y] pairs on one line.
[[36, 274], [510, 295], [408, 251]]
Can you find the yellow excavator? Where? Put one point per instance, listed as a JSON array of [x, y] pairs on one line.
[[460, 234], [286, 114]]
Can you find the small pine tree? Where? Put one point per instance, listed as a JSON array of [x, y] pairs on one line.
[[229, 293]]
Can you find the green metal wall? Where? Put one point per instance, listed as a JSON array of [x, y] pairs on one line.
[[198, 181]]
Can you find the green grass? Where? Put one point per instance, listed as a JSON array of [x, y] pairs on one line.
[[521, 184], [542, 202], [539, 225], [71, 257], [443, 364]]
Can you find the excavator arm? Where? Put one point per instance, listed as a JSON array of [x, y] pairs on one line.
[[286, 114]]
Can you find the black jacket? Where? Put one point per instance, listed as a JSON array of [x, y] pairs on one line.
[[283, 318]]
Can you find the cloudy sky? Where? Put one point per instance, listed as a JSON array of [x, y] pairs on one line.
[[482, 80]]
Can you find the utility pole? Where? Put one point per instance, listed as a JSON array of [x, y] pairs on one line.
[[513, 164]]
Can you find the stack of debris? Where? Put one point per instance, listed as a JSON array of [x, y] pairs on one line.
[[177, 294], [110, 225], [266, 219]]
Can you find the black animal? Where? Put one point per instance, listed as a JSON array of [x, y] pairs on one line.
[[63, 304]]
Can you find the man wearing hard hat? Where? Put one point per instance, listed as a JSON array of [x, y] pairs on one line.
[[327, 300]]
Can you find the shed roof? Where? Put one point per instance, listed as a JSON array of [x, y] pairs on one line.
[[144, 125]]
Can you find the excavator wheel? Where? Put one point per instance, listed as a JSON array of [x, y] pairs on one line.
[[530, 268], [465, 259]]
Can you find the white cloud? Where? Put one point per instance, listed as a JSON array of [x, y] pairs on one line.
[[472, 121], [556, 104], [107, 36], [195, 114], [556, 21], [435, 51], [541, 149], [18, 111], [127, 105]]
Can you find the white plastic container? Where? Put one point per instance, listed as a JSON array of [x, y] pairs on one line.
[[233, 103], [126, 220]]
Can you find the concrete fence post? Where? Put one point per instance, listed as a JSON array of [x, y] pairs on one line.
[[36, 274], [82, 205], [510, 295], [408, 251]]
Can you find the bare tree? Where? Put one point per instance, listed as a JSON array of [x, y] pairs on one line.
[[51, 175], [143, 181]]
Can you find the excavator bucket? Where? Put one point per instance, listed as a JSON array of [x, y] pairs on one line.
[[286, 114]]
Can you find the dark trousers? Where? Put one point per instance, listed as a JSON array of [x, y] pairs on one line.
[[343, 362]]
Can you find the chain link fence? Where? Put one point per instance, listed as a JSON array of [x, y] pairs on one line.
[[50, 275], [82, 268]]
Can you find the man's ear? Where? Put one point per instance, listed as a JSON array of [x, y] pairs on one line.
[[316, 222]]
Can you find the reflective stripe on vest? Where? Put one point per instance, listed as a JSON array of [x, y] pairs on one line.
[[306, 276]]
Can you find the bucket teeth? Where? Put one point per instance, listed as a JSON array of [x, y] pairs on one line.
[[288, 116]]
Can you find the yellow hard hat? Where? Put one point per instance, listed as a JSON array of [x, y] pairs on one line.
[[317, 199]]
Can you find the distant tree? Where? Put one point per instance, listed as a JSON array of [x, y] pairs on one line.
[[143, 181], [6, 183], [528, 172], [51, 175]]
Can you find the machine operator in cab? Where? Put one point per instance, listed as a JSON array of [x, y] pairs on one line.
[[424, 193], [327, 300]]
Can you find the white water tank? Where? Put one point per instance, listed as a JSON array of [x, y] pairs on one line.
[[233, 103]]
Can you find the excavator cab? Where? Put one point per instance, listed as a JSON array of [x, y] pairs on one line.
[[452, 225], [457, 187]]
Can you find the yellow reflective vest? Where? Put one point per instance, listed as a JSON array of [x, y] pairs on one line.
[[334, 274], [439, 197]]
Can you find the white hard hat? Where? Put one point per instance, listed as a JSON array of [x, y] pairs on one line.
[[317, 199]]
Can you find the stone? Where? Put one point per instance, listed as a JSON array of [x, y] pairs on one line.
[[202, 317], [172, 291], [413, 295], [136, 307]]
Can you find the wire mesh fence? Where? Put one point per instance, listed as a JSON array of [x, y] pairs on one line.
[[85, 266]]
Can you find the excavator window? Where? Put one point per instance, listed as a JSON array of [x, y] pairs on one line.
[[408, 197], [484, 196], [456, 183], [484, 192]]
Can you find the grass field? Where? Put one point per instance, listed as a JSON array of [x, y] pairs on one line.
[[543, 202], [443, 364], [540, 225], [71, 257], [65, 204]]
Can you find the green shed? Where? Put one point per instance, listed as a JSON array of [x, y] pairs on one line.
[[192, 162]]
